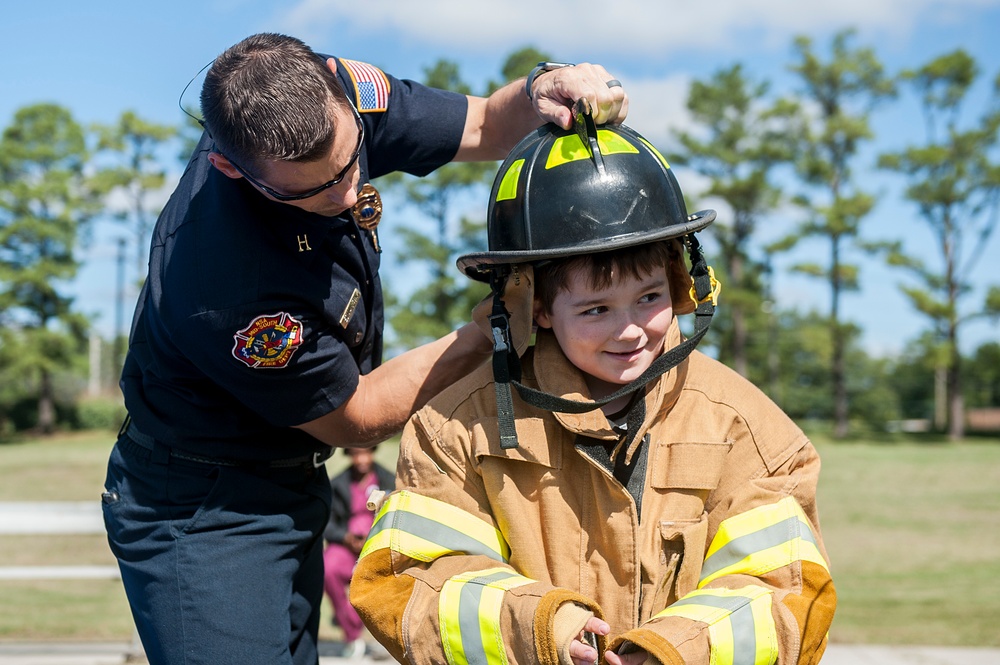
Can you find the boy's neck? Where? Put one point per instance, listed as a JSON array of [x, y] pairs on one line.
[[601, 389]]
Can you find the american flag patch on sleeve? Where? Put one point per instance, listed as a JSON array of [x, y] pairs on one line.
[[371, 87]]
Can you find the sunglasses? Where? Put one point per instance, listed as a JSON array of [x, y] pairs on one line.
[[279, 196]]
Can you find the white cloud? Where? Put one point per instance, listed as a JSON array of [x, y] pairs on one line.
[[657, 106], [627, 28]]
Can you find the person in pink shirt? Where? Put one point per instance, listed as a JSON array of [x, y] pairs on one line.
[[350, 521]]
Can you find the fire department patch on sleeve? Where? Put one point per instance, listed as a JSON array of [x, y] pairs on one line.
[[269, 341], [371, 87]]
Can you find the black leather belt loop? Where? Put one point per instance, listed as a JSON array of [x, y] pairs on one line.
[[161, 453]]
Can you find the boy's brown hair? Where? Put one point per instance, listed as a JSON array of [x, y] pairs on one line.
[[635, 262]]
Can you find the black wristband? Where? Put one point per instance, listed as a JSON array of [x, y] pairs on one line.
[[541, 68]]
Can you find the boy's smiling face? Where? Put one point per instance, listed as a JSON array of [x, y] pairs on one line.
[[612, 334]]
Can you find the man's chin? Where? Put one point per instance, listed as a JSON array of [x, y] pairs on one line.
[[330, 212]]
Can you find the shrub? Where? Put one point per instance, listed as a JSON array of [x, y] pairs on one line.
[[100, 413]]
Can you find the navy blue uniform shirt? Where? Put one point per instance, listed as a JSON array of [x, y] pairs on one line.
[[245, 325]]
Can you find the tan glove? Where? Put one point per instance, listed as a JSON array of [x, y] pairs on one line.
[[568, 623], [518, 299]]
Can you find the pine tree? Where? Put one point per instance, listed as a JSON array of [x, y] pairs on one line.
[[45, 204], [954, 179]]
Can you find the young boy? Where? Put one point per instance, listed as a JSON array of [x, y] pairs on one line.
[[634, 500]]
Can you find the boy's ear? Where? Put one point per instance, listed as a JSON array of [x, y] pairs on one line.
[[679, 279], [540, 315]]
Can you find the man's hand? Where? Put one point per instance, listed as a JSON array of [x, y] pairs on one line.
[[553, 94]]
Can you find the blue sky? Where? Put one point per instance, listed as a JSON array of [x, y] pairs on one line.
[[104, 57]]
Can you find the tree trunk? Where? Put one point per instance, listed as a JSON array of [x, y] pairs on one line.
[[46, 405], [956, 401], [956, 406], [837, 334], [773, 362], [739, 318], [840, 416], [940, 398]]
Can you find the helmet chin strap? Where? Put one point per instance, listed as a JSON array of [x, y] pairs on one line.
[[507, 366]]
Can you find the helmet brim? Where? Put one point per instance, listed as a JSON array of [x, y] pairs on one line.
[[478, 265]]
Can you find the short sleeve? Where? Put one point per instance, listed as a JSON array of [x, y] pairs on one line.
[[415, 129]]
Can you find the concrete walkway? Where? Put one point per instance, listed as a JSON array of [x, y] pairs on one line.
[[114, 653], [859, 654]]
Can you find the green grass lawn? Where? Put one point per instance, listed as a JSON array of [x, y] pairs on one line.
[[71, 467], [913, 531]]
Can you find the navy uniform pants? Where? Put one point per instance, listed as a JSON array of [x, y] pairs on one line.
[[220, 564]]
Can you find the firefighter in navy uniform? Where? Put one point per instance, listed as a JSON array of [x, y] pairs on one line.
[[257, 339]]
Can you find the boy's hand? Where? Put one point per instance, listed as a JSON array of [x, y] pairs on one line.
[[634, 658], [580, 651]]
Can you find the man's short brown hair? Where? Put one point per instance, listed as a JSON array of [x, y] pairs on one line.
[[271, 97]]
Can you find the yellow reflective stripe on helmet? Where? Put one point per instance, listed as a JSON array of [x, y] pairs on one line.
[[614, 144], [469, 614], [741, 628], [508, 186], [656, 152], [426, 529], [566, 149], [761, 540]]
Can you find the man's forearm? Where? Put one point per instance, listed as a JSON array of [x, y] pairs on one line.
[[386, 397], [495, 124]]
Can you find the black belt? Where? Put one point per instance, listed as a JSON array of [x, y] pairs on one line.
[[314, 460]]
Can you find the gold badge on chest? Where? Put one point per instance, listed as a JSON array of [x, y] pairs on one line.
[[367, 212]]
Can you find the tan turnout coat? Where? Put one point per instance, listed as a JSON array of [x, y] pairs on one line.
[[478, 546]]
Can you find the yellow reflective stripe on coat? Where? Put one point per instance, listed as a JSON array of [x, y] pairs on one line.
[[426, 529], [469, 613], [761, 540], [741, 629]]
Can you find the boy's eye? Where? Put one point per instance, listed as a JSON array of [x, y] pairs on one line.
[[594, 311], [650, 297]]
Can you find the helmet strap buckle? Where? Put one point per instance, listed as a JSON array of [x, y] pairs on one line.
[[506, 364], [586, 129]]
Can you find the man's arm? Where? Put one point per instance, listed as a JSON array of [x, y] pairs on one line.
[[387, 396], [495, 124]]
